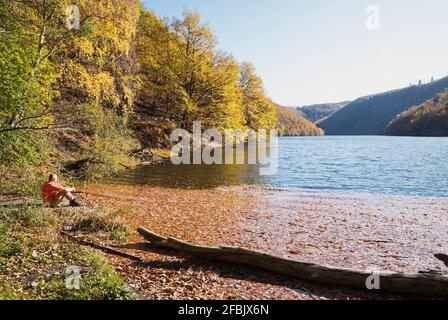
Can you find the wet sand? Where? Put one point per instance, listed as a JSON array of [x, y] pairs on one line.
[[359, 231]]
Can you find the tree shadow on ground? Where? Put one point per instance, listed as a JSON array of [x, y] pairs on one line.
[[21, 204]]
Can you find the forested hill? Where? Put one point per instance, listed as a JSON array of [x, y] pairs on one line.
[[370, 115], [428, 119], [291, 123], [318, 112], [120, 79]]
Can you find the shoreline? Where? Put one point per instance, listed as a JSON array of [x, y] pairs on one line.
[[301, 227]]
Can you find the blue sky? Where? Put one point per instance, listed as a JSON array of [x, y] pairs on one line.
[[316, 51]]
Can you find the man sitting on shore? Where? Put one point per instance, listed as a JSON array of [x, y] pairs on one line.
[[54, 193]]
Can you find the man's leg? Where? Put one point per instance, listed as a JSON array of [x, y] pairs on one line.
[[64, 195], [58, 200], [72, 200], [68, 196]]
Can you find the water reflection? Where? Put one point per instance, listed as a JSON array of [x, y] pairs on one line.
[[192, 176]]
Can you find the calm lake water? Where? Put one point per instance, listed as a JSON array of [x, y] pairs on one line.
[[373, 164]]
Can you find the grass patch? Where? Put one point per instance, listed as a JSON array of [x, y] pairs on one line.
[[21, 179], [109, 222], [11, 248], [7, 293], [34, 258], [97, 281], [32, 216]]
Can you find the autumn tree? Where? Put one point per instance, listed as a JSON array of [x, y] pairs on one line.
[[184, 77], [259, 111], [30, 32], [87, 75]]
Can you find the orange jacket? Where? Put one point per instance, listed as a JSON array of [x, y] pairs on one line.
[[50, 191]]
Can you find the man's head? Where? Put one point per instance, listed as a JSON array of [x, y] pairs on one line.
[[53, 177]]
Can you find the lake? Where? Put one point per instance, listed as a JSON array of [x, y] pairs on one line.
[[371, 164]]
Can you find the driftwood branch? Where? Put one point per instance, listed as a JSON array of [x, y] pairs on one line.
[[77, 168], [148, 156], [427, 285]]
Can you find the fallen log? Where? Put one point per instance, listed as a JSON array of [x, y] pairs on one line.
[[426, 285], [442, 257], [78, 168]]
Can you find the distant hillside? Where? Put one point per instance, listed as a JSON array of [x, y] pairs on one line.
[[428, 119], [317, 112], [291, 123], [372, 114]]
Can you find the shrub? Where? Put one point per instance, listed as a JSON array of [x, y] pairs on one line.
[[98, 282], [108, 222], [27, 216]]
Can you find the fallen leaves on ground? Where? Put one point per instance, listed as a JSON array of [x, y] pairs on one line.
[[333, 231]]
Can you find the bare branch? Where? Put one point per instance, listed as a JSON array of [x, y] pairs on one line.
[[47, 111], [32, 128]]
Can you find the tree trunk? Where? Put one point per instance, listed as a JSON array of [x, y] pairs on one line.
[[427, 285]]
